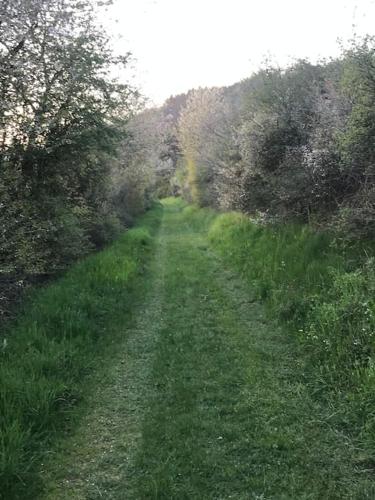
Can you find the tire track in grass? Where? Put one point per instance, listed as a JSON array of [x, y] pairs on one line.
[[97, 461]]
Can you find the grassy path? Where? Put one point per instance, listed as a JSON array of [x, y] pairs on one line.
[[97, 460], [203, 400]]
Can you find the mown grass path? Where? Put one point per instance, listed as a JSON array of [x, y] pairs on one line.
[[203, 400]]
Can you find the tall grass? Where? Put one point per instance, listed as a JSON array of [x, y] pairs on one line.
[[324, 292], [55, 343]]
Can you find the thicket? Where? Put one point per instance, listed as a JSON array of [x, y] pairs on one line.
[[294, 144], [63, 139]]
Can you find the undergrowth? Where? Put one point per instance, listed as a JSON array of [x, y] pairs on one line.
[[322, 290], [47, 354]]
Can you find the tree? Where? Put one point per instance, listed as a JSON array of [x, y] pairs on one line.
[[206, 140], [61, 119]]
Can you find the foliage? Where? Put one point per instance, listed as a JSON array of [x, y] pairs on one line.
[[357, 138], [148, 161], [290, 144], [205, 137], [61, 119]]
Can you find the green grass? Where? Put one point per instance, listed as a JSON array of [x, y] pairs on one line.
[[56, 342], [232, 415], [214, 386], [323, 291]]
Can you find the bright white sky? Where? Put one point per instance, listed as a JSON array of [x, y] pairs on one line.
[[181, 44]]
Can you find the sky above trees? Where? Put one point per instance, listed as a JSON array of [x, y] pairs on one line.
[[181, 44]]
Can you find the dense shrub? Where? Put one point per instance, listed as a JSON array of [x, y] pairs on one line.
[[62, 120], [289, 144]]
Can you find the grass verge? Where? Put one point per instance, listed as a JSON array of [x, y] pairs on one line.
[[323, 291], [55, 344]]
